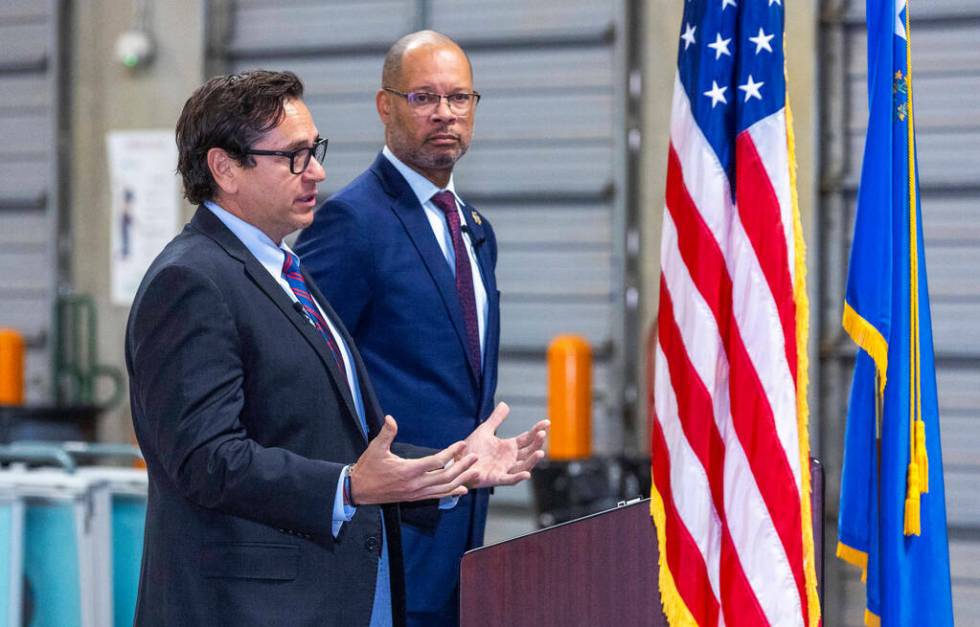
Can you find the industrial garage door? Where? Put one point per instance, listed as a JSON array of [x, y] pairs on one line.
[[30, 181], [546, 166]]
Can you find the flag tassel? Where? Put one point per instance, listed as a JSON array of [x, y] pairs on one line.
[[912, 501], [921, 456]]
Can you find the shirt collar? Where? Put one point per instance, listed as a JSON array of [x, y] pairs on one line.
[[258, 243], [423, 188]]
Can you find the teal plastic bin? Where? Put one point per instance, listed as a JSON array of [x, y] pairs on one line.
[[67, 541], [11, 558], [127, 488]]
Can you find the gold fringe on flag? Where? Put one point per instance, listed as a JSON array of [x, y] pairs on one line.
[[802, 379], [854, 557], [871, 341], [676, 611]]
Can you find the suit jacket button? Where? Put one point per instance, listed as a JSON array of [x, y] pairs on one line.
[[371, 544]]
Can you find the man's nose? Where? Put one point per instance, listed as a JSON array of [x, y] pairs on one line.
[[443, 111], [315, 171]]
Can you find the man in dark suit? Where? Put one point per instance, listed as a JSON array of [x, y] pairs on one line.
[[273, 479], [409, 267]]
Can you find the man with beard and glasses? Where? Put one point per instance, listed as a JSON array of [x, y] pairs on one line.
[[409, 267]]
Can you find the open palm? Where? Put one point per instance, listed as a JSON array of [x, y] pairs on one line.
[[505, 461]]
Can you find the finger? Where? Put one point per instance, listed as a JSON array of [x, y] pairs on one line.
[[437, 461], [456, 487], [526, 464], [425, 495], [442, 458], [535, 443], [442, 482], [513, 479], [446, 476], [498, 416], [526, 438], [387, 434]]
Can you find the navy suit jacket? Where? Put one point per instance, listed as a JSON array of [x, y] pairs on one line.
[[371, 250], [246, 421]]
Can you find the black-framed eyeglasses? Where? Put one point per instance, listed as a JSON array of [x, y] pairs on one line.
[[425, 102], [299, 157]]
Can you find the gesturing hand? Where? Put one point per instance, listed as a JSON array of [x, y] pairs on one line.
[[380, 476], [509, 461]]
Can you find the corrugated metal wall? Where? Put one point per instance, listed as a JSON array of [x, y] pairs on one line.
[[546, 165], [946, 64], [29, 177]]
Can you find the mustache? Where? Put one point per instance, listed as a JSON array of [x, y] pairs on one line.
[[442, 132]]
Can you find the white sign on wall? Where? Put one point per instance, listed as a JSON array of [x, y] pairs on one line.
[[145, 204]]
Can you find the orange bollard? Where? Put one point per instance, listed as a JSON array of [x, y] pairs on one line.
[[11, 367], [570, 398]]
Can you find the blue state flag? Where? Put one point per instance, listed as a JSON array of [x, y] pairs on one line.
[[892, 506]]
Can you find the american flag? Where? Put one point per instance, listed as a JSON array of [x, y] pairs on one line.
[[729, 443]]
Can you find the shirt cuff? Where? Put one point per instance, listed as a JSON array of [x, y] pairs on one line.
[[341, 511]]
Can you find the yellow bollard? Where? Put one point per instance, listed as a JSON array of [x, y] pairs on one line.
[[570, 398], [11, 367]]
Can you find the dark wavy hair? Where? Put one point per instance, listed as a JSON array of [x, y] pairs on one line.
[[228, 112]]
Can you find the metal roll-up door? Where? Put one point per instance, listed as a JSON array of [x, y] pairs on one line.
[[946, 74], [547, 164], [30, 92]]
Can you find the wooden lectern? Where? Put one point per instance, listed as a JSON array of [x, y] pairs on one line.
[[597, 570], [594, 571]]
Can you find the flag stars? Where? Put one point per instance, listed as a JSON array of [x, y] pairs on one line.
[[761, 41], [720, 46], [688, 36], [776, 2], [727, 3], [717, 94], [751, 89]]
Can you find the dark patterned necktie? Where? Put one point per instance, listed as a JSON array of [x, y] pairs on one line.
[[290, 270], [464, 278]]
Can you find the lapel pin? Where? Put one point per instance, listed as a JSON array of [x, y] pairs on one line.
[[476, 217]]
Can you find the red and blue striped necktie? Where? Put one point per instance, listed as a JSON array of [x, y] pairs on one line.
[[290, 270]]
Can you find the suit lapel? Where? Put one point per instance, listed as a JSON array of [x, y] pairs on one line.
[[371, 412], [478, 236], [210, 225], [407, 209]]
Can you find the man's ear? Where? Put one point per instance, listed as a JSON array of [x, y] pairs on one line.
[[383, 104], [224, 170]]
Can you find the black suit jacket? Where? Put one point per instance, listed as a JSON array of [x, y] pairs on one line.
[[246, 421]]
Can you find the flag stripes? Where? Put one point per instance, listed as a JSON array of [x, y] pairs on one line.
[[725, 395]]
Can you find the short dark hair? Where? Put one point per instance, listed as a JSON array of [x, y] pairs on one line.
[[229, 112]]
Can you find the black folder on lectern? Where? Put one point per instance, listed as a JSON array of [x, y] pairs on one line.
[[597, 570]]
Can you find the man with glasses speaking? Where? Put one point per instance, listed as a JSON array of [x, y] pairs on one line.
[[273, 476], [409, 268]]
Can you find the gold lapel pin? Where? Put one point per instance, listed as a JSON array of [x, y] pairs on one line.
[[476, 217]]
